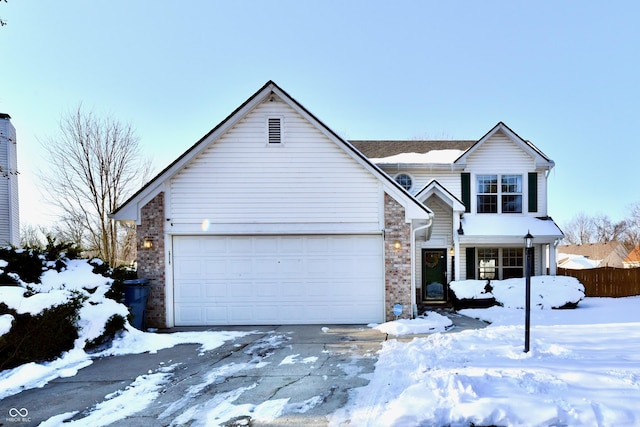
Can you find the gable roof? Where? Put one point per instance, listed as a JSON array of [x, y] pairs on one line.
[[634, 255], [434, 187], [542, 159], [129, 210]]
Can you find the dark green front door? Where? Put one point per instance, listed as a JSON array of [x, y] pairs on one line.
[[434, 275]]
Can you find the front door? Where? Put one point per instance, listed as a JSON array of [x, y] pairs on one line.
[[434, 275]]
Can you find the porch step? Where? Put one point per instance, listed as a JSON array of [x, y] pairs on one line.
[[441, 308]]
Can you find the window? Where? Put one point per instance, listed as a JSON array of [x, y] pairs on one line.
[[487, 193], [275, 130], [404, 180], [509, 192], [512, 263], [488, 263], [500, 263]]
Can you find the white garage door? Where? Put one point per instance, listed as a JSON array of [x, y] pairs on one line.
[[263, 280]]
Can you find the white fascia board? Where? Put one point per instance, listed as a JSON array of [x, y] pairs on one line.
[[421, 166], [495, 241]]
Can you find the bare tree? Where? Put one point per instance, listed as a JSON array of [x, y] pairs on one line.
[[580, 230], [32, 236], [95, 165], [606, 230], [631, 236], [70, 228], [2, 21]]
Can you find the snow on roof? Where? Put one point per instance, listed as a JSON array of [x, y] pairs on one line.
[[577, 262], [508, 226], [434, 156]]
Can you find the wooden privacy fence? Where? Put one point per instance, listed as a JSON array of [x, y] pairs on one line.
[[607, 281]]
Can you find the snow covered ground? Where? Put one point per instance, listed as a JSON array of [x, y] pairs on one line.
[[583, 367], [583, 370]]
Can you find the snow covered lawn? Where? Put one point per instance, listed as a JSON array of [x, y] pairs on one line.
[[583, 369]]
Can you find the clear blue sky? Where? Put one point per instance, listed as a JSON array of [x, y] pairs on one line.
[[563, 74]]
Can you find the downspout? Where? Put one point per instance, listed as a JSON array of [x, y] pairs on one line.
[[414, 303]]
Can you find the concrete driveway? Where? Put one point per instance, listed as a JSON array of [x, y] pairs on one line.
[[311, 368]]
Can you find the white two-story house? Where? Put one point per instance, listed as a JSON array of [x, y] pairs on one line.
[[273, 218], [486, 194]]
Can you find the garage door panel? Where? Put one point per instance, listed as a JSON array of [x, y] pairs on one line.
[[190, 291], [278, 279]]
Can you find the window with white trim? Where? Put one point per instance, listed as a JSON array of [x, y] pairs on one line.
[[503, 198], [404, 180], [500, 263], [274, 126]]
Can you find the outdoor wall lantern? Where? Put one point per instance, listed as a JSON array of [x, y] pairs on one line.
[[147, 243], [528, 245], [397, 244]]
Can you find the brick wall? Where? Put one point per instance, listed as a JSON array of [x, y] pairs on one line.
[[151, 263], [397, 260]]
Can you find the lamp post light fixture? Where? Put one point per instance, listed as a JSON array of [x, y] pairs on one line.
[[528, 244]]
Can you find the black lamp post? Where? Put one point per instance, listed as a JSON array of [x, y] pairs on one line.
[[528, 244]]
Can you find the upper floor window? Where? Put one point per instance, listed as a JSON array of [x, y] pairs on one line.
[[404, 180], [499, 193]]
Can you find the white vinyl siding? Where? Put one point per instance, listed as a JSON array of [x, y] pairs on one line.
[[9, 201], [500, 156], [308, 179], [542, 194]]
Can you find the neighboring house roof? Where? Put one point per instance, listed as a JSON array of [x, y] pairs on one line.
[[129, 210], [633, 258], [610, 254], [576, 262]]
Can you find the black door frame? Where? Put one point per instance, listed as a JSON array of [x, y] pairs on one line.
[[443, 280]]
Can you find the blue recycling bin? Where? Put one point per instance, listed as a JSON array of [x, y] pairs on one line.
[[136, 293]]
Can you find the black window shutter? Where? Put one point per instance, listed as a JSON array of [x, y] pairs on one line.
[[466, 190], [471, 263], [533, 192]]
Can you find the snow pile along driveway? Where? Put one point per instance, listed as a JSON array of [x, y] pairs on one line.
[[583, 369]]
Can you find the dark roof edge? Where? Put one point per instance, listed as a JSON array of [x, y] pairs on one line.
[[190, 149], [230, 116], [4, 116], [435, 183], [502, 124]]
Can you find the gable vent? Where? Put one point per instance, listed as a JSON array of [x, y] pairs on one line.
[[275, 130]]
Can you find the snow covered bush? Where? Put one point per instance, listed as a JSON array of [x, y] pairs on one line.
[[54, 304], [546, 292], [39, 337]]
